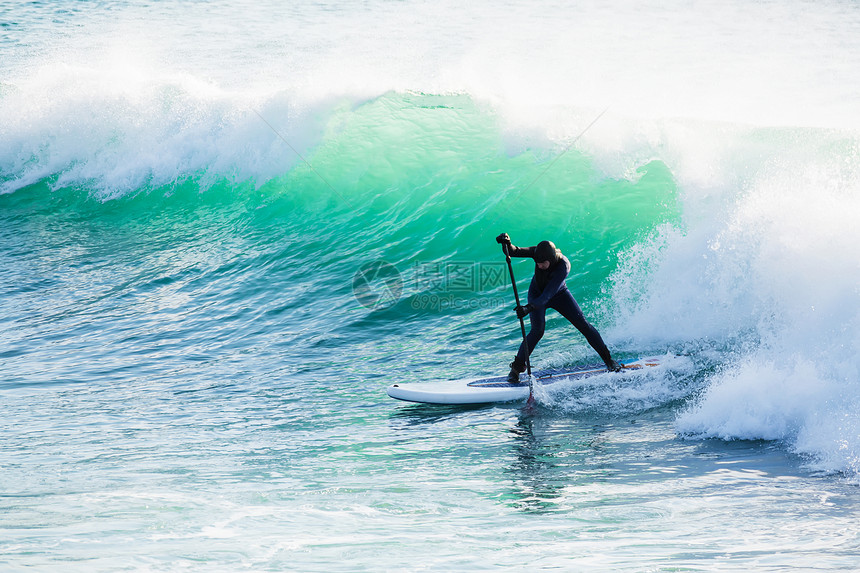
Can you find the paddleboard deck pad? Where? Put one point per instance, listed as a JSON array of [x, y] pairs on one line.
[[498, 389]]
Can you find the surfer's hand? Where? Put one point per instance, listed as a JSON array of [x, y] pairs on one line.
[[522, 311], [503, 239]]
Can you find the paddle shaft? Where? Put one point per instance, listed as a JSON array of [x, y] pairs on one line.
[[505, 247]]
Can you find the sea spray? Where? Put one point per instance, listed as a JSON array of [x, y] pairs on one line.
[[770, 280]]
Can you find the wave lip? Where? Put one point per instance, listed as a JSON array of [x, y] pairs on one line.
[[118, 133]]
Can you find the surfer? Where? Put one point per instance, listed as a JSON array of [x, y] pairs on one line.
[[547, 290]]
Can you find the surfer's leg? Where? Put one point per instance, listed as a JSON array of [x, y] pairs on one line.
[[565, 304], [537, 320], [537, 324]]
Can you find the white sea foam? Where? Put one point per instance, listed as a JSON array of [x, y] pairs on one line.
[[765, 271], [120, 130]]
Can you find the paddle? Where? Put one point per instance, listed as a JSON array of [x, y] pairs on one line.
[[505, 247]]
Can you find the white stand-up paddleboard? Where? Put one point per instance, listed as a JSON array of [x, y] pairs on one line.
[[498, 389]]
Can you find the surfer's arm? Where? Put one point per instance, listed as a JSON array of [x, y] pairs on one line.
[[509, 249], [555, 284], [528, 252]]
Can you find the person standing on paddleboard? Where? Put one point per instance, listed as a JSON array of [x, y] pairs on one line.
[[547, 290]]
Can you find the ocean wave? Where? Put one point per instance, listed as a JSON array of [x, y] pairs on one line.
[[701, 216]]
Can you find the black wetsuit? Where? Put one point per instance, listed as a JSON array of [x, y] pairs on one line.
[[547, 290]]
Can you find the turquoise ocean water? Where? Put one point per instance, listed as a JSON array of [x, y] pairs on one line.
[[226, 227]]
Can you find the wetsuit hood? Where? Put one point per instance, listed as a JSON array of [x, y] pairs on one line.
[[547, 251]]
